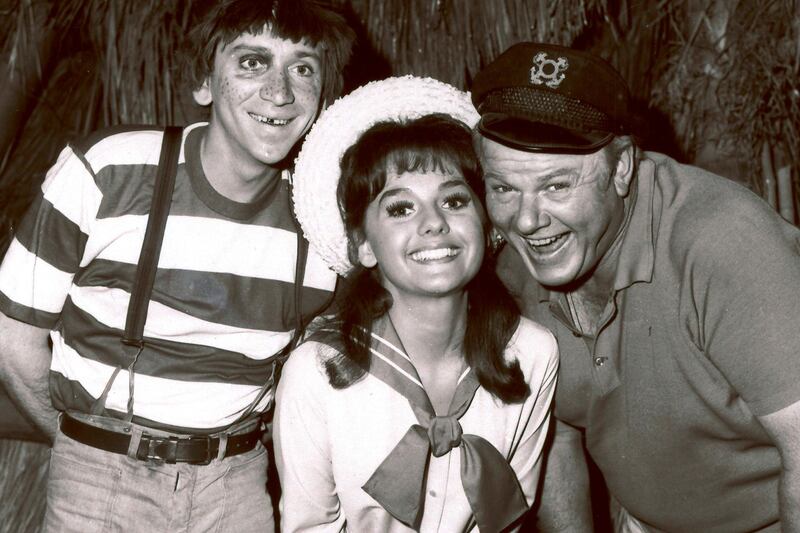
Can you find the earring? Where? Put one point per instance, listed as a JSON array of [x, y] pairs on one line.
[[496, 241]]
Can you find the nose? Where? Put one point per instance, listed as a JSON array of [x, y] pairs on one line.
[[531, 215], [433, 222], [277, 88]]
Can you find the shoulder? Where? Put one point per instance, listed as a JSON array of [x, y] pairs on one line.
[[122, 145], [117, 135], [711, 219], [534, 346], [306, 365]]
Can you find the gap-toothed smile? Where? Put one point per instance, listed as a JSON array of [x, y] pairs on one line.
[[271, 121]]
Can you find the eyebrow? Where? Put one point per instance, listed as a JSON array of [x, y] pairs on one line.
[[557, 173], [303, 54], [449, 184]]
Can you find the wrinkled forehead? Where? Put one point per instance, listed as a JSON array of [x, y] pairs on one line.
[[506, 163]]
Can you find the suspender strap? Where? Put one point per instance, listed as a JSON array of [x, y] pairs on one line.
[[299, 323], [153, 236], [299, 328]]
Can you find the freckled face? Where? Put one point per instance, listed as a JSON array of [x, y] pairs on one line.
[[561, 212], [425, 233], [265, 94]]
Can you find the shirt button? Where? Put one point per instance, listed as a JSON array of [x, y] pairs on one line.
[[432, 493], [600, 361]]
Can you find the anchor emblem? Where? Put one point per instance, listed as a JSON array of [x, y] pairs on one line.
[[549, 72]]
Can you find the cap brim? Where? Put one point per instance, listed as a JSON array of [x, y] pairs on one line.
[[531, 136]]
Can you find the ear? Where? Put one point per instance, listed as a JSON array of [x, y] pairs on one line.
[[365, 255], [202, 95], [623, 173]]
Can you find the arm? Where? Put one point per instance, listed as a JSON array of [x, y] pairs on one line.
[[748, 312], [565, 502], [309, 501], [527, 455], [35, 277], [24, 368], [784, 427]]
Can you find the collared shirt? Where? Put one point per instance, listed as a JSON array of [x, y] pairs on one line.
[[700, 336], [329, 442]]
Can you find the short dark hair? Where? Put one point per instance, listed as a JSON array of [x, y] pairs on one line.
[[433, 142], [295, 20]]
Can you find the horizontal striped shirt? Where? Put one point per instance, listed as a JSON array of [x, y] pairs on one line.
[[223, 299]]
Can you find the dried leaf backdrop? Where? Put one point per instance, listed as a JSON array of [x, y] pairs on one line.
[[717, 80]]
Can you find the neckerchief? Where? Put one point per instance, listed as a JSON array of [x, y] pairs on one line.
[[398, 484]]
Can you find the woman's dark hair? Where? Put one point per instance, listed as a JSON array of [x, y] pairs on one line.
[[430, 143]]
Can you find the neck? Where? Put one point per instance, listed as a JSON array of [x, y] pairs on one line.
[[431, 328], [597, 286], [588, 298], [240, 179]]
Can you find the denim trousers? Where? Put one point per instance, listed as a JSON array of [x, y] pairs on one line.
[[93, 490]]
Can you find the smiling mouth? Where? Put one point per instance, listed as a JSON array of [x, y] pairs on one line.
[[437, 254], [548, 245], [270, 121]]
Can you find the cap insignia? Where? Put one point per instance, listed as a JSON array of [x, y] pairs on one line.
[[548, 72]]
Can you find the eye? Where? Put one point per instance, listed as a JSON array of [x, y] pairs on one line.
[[499, 188], [399, 209], [251, 63], [457, 201], [558, 186], [304, 70]]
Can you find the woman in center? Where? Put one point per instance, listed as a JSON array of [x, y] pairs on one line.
[[423, 404]]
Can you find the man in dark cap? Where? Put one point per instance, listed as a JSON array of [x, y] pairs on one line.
[[674, 295]]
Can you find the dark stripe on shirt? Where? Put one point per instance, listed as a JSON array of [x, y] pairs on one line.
[[160, 358], [34, 317], [207, 295], [51, 236], [128, 190]]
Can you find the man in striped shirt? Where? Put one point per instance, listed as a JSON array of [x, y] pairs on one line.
[[159, 439]]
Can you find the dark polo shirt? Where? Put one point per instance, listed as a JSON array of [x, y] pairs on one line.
[[701, 336]]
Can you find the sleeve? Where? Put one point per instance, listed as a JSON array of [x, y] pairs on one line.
[[46, 251], [740, 302], [302, 451], [527, 457]]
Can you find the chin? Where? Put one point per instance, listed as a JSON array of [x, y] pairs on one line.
[[273, 159], [552, 278], [442, 289]]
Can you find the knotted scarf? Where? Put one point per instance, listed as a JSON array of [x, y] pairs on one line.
[[398, 484]]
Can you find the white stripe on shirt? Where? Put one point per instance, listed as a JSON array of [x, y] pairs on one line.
[[167, 401], [51, 284], [79, 198], [260, 252]]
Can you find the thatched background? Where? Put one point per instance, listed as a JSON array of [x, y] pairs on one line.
[[718, 80]]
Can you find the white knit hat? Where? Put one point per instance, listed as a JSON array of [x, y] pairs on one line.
[[317, 170]]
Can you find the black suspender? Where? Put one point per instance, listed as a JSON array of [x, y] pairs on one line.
[[153, 236], [148, 261]]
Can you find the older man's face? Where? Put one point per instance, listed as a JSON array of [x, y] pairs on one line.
[[561, 212]]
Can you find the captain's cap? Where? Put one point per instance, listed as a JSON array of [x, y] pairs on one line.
[[549, 98]]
